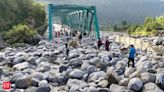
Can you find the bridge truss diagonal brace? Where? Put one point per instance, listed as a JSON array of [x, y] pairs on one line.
[[71, 14]]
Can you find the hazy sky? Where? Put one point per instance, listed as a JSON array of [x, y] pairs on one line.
[[114, 11]]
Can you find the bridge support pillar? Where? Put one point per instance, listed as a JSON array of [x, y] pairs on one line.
[[96, 24], [50, 22]]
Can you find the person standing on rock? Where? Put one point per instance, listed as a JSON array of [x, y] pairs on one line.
[[107, 43], [132, 53]]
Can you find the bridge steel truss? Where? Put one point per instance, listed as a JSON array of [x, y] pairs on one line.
[[76, 17]]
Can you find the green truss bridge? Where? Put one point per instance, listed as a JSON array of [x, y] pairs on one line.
[[77, 17]]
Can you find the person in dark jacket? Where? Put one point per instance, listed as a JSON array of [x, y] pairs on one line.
[[107, 43], [99, 43], [84, 34], [80, 36], [67, 49], [132, 53]]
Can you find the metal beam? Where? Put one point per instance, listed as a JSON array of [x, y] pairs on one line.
[[96, 24], [77, 17], [50, 21]]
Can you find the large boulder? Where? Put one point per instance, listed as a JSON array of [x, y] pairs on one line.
[[75, 62], [147, 77], [100, 89], [44, 69], [21, 66], [134, 74], [94, 60], [2, 55], [135, 84], [161, 64], [124, 82], [41, 59], [34, 82], [61, 80], [20, 57], [112, 76], [158, 41], [92, 89], [129, 71], [147, 65], [120, 70], [63, 68], [73, 55], [17, 60], [31, 60], [76, 73], [88, 68], [89, 56], [117, 88], [98, 63], [43, 83], [16, 76], [160, 80], [76, 82], [151, 87], [37, 75], [43, 89], [23, 82], [142, 59], [97, 76], [103, 83], [105, 56], [31, 89], [74, 89]]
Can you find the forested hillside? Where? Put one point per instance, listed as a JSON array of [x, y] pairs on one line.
[[13, 12], [21, 21]]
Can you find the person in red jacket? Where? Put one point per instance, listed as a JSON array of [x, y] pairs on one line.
[[107, 43]]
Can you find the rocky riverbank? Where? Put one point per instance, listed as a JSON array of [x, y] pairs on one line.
[[46, 68]]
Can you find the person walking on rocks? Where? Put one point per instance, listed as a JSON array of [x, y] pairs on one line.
[[107, 43], [80, 36], [132, 53], [67, 49], [99, 43]]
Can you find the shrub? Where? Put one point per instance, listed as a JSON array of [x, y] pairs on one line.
[[20, 34], [73, 43]]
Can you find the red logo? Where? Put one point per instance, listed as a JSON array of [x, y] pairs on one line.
[[6, 85]]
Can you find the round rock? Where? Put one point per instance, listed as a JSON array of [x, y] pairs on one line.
[[135, 84]]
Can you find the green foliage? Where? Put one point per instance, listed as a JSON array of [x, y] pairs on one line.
[[19, 45], [106, 28], [150, 27], [20, 34], [14, 12], [73, 43]]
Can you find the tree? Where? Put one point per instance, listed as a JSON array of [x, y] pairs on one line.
[[20, 34], [124, 23], [14, 12]]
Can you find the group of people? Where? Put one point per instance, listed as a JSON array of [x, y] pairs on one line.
[[106, 43], [132, 50]]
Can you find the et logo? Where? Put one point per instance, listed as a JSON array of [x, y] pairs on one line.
[[6, 86]]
